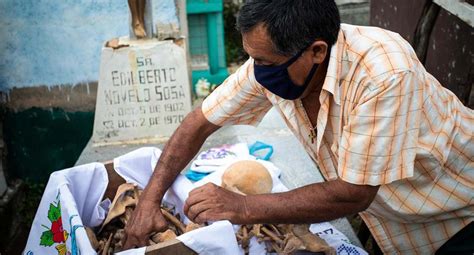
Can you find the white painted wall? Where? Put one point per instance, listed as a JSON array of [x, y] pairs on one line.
[[51, 42]]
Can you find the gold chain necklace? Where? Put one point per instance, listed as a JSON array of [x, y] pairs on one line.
[[312, 130]]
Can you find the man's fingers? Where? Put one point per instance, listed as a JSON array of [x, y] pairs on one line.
[[194, 199], [124, 240], [196, 209], [142, 242], [128, 243], [202, 189], [159, 225], [133, 242], [197, 190], [203, 216]]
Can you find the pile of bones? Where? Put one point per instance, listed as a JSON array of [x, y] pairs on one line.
[[245, 177]]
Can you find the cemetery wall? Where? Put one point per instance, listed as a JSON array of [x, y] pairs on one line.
[[49, 67]]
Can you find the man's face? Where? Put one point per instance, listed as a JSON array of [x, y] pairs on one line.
[[258, 45]]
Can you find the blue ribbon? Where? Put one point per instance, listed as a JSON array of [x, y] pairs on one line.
[[258, 146]]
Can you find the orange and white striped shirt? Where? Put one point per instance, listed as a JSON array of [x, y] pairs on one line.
[[383, 121]]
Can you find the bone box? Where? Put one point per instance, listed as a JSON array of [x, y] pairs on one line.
[[169, 247]]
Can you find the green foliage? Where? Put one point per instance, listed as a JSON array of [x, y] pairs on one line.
[[30, 201], [233, 40]]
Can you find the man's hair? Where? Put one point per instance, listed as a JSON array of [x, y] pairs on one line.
[[292, 24]]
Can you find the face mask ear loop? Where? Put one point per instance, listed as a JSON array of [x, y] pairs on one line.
[[284, 65], [310, 75], [293, 59]]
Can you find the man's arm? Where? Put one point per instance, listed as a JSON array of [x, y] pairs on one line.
[[179, 150], [312, 203]]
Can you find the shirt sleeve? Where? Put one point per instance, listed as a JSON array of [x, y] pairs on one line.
[[238, 100], [379, 140]]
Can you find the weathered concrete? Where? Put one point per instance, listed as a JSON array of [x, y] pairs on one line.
[[71, 98], [143, 92], [58, 42], [3, 183], [460, 8], [13, 224], [41, 141], [45, 128], [49, 67], [354, 12]]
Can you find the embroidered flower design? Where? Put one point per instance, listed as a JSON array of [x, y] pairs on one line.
[[58, 232], [55, 234]]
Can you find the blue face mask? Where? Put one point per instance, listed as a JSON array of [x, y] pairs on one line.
[[277, 80]]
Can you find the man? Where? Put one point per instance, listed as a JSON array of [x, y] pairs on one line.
[[390, 141]]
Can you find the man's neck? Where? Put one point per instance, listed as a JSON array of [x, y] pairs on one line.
[[317, 82]]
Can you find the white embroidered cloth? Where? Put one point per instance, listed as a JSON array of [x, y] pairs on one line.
[[72, 199]]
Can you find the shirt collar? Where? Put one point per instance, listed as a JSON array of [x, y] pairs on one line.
[[333, 74]]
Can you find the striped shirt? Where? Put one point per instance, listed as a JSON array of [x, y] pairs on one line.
[[385, 121]]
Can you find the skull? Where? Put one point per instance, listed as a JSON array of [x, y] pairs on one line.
[[247, 177]]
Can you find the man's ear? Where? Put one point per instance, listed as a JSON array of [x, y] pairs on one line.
[[319, 51]]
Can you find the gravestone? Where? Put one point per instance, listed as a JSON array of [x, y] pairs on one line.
[[143, 92]]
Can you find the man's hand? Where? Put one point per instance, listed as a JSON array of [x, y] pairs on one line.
[[146, 220], [178, 151], [212, 203]]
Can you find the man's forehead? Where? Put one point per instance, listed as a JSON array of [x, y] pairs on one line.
[[257, 43]]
